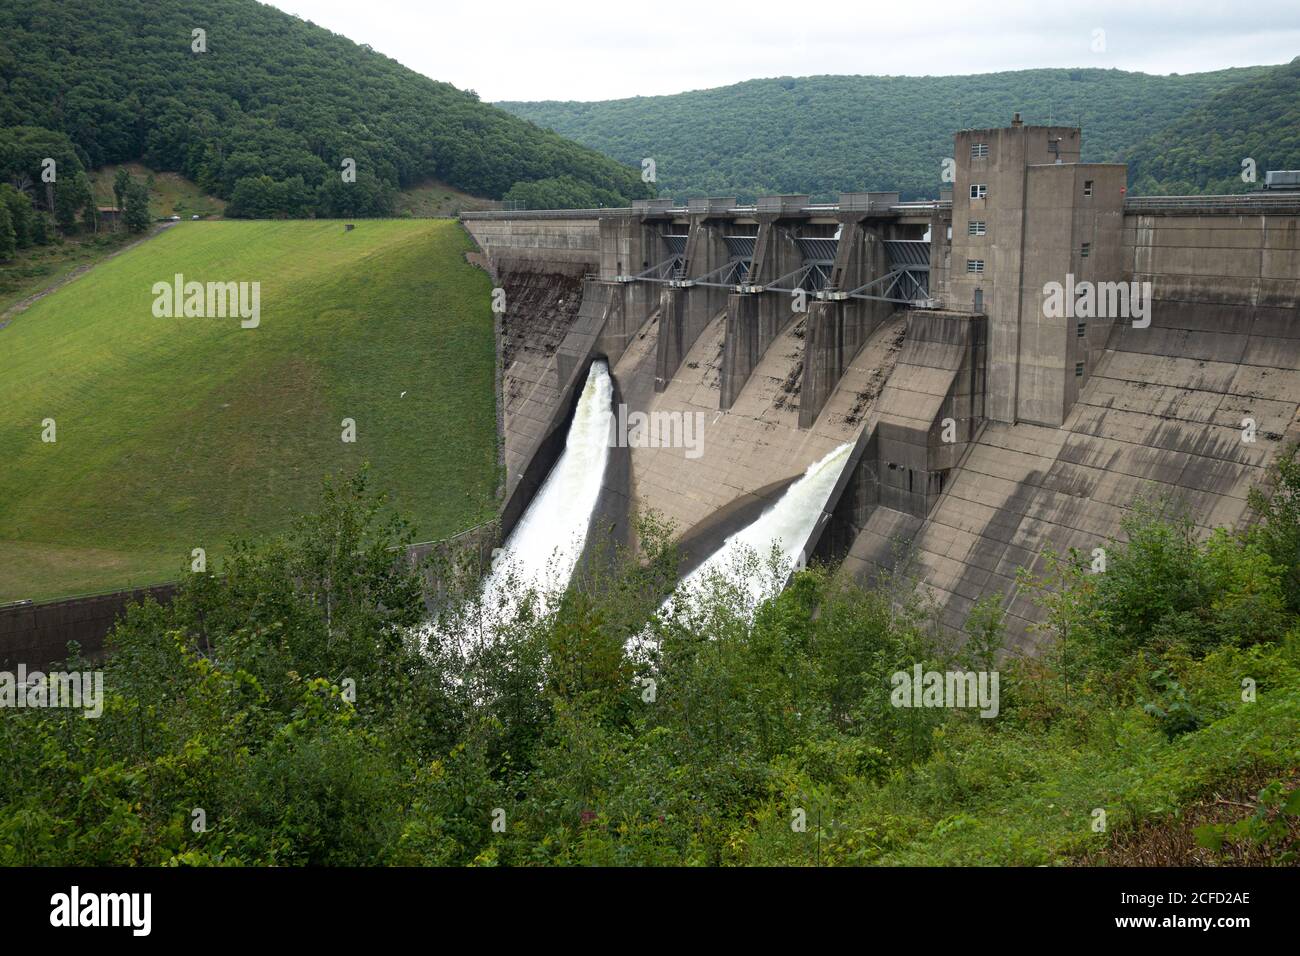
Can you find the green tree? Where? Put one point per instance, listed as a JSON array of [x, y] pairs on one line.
[[71, 197], [21, 215], [304, 99], [136, 215], [42, 231], [1278, 530], [121, 183], [8, 242]]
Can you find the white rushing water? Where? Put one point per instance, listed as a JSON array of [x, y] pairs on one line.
[[545, 545], [787, 524]]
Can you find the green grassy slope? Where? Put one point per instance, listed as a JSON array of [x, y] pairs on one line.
[[37, 268], [823, 134], [181, 433]]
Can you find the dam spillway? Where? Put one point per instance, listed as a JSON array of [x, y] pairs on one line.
[[785, 526], [987, 429], [545, 545]]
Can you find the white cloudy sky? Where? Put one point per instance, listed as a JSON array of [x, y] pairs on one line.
[[594, 50]]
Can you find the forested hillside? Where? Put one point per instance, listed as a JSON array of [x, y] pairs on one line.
[[823, 134], [1203, 151], [262, 108]]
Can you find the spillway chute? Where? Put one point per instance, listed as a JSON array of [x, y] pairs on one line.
[[753, 564], [534, 567]]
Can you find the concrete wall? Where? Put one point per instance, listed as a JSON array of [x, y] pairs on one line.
[[1224, 258], [542, 241], [1159, 415], [837, 329], [1035, 219], [684, 312], [38, 634], [754, 320], [935, 394], [1068, 205], [543, 304]]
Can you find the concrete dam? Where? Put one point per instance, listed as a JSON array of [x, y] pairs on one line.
[[1010, 365]]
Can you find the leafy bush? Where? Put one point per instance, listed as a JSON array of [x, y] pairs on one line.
[[303, 703]]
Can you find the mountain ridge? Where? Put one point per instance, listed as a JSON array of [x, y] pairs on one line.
[[865, 132], [261, 108]]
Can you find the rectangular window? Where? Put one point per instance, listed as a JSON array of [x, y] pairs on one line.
[[1087, 187], [1083, 329], [975, 266], [979, 150], [950, 233], [978, 190], [1086, 250], [976, 227], [1078, 370]]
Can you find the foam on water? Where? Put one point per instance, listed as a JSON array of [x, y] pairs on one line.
[[787, 524], [544, 547]]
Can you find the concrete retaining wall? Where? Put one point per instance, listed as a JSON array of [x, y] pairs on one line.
[[540, 242], [37, 634]]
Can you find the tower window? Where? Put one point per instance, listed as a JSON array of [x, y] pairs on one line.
[[1078, 370], [978, 190], [975, 266], [976, 227], [979, 150], [1087, 187], [1086, 251], [1083, 328]]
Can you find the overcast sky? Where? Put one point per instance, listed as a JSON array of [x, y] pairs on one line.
[[592, 50]]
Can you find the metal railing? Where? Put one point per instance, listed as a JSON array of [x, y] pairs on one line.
[[902, 208], [1248, 202]]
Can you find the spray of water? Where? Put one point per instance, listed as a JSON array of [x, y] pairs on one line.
[[539, 557], [785, 527], [546, 544]]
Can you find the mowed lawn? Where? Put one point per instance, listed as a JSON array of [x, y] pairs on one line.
[[179, 433]]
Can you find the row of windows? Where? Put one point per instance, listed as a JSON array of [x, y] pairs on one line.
[[980, 190], [978, 227]]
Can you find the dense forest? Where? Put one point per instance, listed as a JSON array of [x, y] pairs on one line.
[[295, 710], [262, 109], [1203, 151], [824, 134]]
